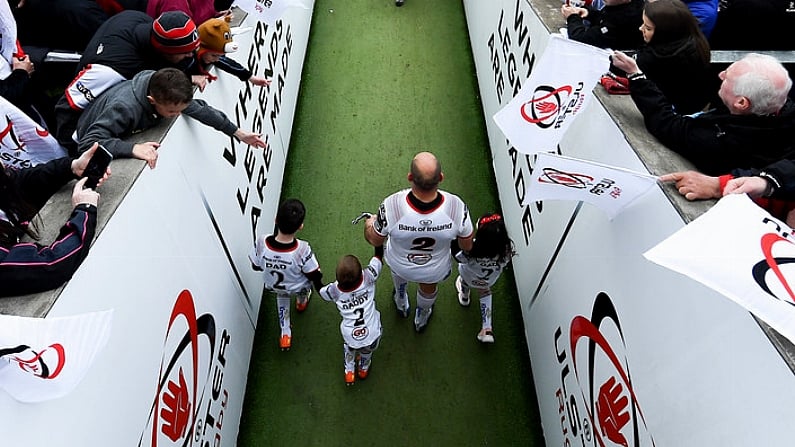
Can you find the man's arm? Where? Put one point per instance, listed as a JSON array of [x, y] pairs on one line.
[[29, 268], [373, 238]]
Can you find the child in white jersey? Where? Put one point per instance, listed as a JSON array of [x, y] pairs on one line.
[[288, 264], [480, 268], [354, 295]]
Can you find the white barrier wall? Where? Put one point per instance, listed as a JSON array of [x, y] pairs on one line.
[[624, 352], [172, 263]]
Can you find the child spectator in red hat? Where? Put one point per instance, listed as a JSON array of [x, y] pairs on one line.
[[215, 41]]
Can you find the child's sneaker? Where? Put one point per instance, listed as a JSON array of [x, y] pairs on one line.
[[463, 292], [486, 336], [302, 300], [284, 342], [349, 378]]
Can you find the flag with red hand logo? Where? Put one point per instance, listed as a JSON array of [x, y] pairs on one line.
[[610, 188], [742, 252], [559, 88], [46, 358]]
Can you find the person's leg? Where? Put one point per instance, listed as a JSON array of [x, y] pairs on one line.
[[463, 291], [486, 335], [349, 360], [400, 295], [283, 312], [426, 298], [366, 358]]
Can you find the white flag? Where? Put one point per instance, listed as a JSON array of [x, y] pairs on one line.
[[739, 250], [23, 143], [559, 89], [612, 189], [45, 358], [8, 39], [268, 11]]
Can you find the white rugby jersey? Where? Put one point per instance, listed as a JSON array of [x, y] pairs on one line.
[[480, 273], [418, 243], [361, 321], [283, 269]]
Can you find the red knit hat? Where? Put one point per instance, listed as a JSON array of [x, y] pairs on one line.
[[174, 32]]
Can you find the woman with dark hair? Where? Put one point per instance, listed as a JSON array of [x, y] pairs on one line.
[[676, 55], [30, 267]]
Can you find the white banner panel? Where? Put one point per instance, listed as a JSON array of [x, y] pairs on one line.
[[172, 265]]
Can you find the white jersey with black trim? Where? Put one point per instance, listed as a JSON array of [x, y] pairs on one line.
[[284, 269], [418, 242], [361, 321], [480, 273]]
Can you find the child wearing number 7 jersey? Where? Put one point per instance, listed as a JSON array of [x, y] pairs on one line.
[[288, 264], [480, 268], [354, 295]]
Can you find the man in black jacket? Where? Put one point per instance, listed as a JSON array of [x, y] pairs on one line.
[[614, 26], [752, 128]]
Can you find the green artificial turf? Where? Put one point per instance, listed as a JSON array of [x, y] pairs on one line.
[[381, 83]]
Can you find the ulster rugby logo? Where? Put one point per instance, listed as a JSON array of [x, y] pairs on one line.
[[184, 370], [550, 106], [779, 287], [567, 179], [545, 105], [601, 369]]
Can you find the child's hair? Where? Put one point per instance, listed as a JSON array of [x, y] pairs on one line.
[[290, 216], [170, 86], [491, 238], [349, 272]]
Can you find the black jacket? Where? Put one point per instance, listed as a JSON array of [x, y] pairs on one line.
[[717, 141], [678, 71], [614, 27], [123, 43]]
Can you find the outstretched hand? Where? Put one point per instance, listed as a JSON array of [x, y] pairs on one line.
[[694, 185], [250, 138], [147, 152]]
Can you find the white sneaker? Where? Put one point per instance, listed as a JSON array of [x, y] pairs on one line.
[[463, 292], [421, 318], [401, 303], [486, 336]]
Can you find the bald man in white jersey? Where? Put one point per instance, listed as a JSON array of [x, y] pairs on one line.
[[417, 226]]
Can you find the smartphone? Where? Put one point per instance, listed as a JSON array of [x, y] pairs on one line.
[[97, 166]]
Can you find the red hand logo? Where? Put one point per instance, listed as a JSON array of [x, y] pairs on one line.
[[176, 409], [611, 410]]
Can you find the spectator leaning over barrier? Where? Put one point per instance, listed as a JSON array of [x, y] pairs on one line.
[[752, 128], [675, 49], [124, 45], [614, 26], [215, 38], [143, 102], [30, 267]]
